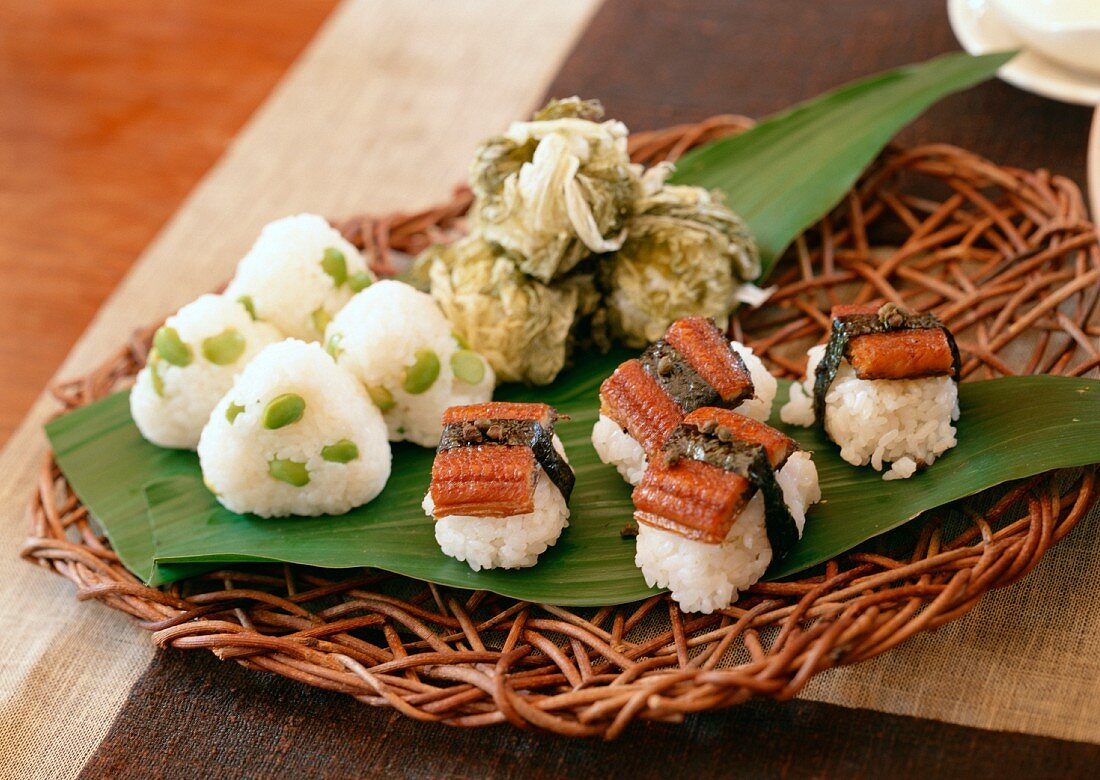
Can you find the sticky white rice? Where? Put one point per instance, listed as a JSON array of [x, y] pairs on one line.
[[764, 385], [893, 424], [378, 336], [240, 455], [284, 275], [618, 448], [171, 403], [505, 542], [705, 577]]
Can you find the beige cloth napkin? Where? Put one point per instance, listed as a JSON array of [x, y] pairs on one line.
[[381, 113]]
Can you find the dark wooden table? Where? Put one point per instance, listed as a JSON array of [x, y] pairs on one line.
[[652, 64], [656, 64]]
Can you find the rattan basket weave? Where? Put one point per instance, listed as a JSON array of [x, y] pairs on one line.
[[1008, 260]]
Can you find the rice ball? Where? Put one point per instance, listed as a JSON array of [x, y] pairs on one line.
[[298, 274], [896, 424], [705, 577], [514, 542], [295, 435], [397, 342], [195, 356]]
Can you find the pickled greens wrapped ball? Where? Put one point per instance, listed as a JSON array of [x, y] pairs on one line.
[[685, 254], [295, 435], [195, 356], [523, 327], [395, 340], [555, 189], [568, 237], [298, 274]]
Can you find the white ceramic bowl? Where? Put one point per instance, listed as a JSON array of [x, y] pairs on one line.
[[1066, 31]]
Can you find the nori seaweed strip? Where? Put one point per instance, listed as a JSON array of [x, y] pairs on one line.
[[515, 433], [560, 472], [746, 459], [678, 378], [778, 522], [956, 359], [888, 318], [827, 368]]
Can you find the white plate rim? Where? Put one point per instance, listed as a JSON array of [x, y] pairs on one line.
[[1027, 70]]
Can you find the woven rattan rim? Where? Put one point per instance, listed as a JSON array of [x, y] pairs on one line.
[[1006, 257]]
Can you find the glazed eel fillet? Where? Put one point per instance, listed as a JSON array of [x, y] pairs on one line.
[[713, 464], [692, 367], [490, 456]]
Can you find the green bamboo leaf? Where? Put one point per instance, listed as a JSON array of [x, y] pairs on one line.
[[185, 530], [791, 169]]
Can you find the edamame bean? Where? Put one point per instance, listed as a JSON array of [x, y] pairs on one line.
[[360, 281], [335, 265], [422, 374], [342, 451], [171, 347], [283, 410], [292, 472], [225, 348], [382, 397], [333, 345], [321, 319], [154, 372], [250, 307], [468, 366]]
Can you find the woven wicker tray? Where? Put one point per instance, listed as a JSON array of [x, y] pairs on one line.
[[1007, 258]]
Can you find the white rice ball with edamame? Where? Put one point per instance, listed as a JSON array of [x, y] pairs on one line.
[[295, 435], [398, 343], [196, 355], [299, 274]]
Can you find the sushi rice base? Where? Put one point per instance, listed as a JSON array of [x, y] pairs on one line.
[[903, 423], [618, 448], [759, 407], [377, 337], [704, 577], [176, 417], [505, 542], [235, 455]]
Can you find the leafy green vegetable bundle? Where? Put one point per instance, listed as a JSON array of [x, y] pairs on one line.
[[572, 243]]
